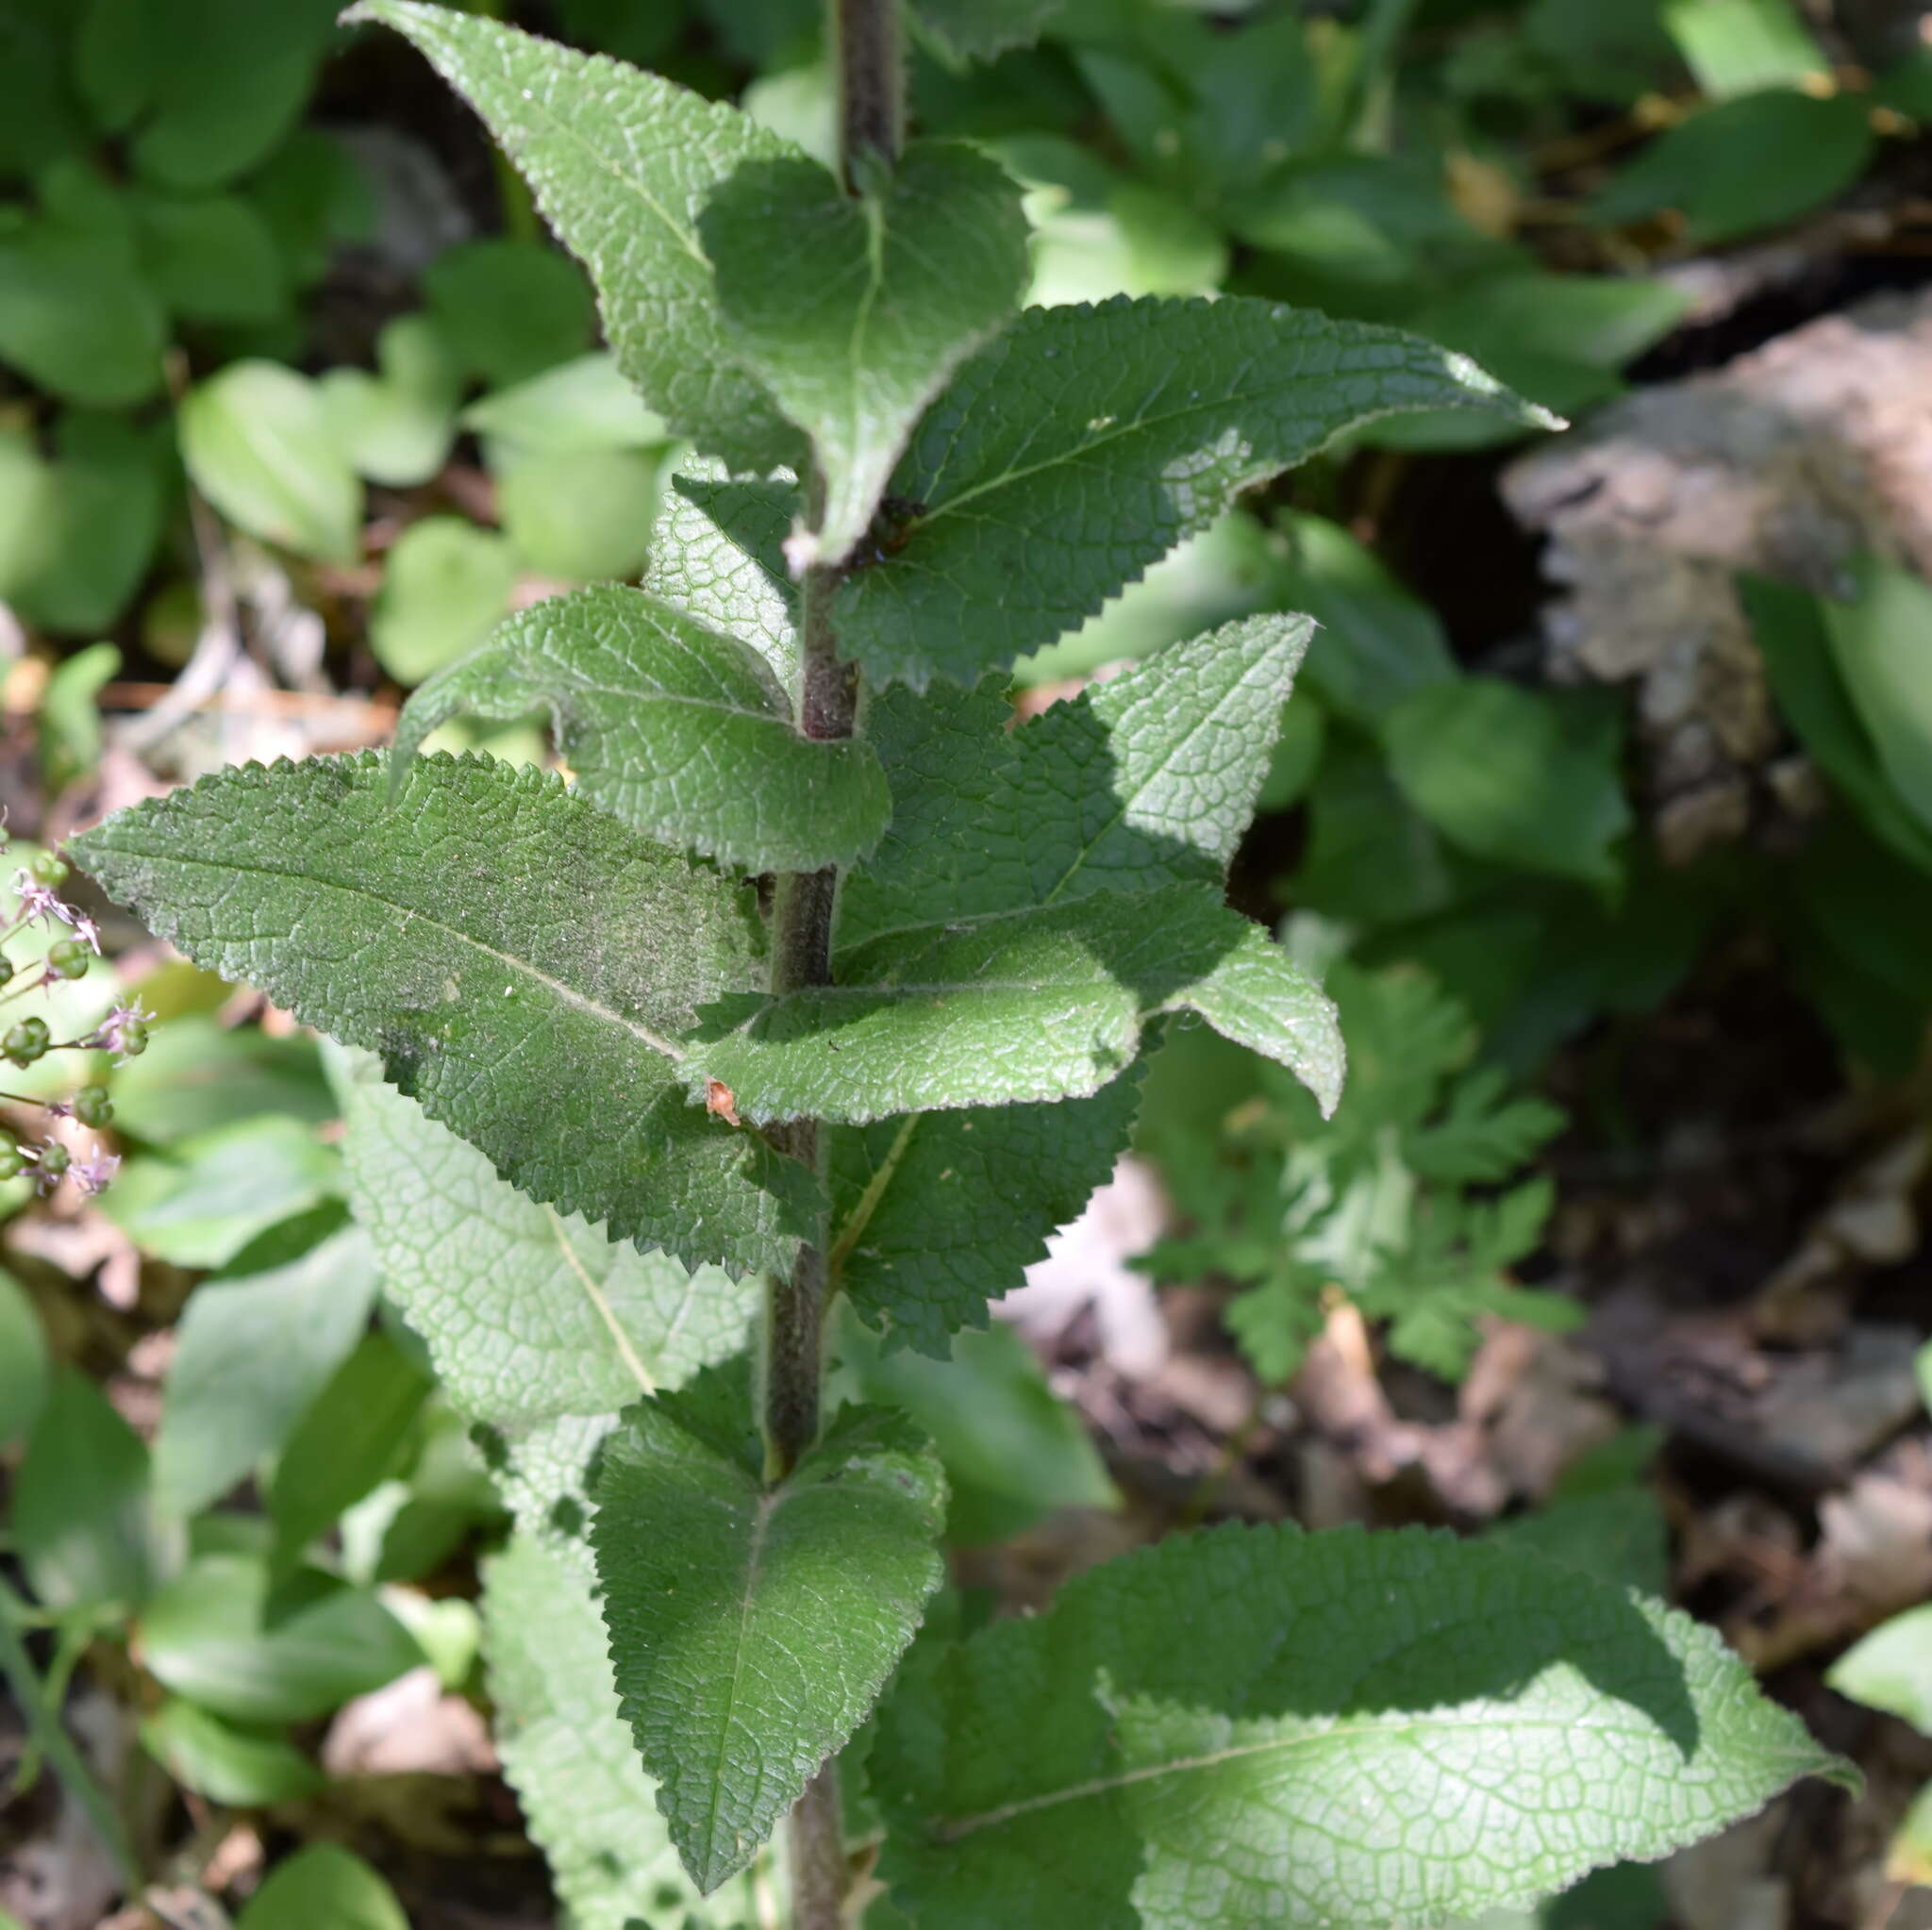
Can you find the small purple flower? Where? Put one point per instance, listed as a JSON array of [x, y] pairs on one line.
[[96, 1175], [111, 1033], [41, 901], [87, 930]]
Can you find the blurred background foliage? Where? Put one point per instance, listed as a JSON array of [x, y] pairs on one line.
[[297, 400]]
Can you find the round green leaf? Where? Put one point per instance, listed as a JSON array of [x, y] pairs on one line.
[[510, 309], [323, 1888], [258, 443], [446, 585], [580, 516], [211, 257], [76, 316], [396, 426]]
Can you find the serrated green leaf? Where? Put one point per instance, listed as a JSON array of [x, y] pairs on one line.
[[853, 311], [1145, 780], [1037, 1004], [528, 1314], [1256, 1725], [751, 1628], [971, 941], [1619, 1536], [622, 163], [571, 1760], [937, 1214], [544, 1476], [254, 1347], [717, 553], [978, 29], [1068, 456], [522, 964], [678, 731]]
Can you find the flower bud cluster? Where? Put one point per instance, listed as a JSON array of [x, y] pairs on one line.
[[26, 1037]]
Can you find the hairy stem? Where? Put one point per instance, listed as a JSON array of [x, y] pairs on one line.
[[870, 62], [871, 81], [820, 1874], [802, 956]]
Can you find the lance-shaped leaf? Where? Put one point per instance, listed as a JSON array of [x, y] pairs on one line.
[[1254, 1725], [1085, 442], [1031, 1005], [854, 310], [622, 163], [569, 1758], [529, 1314], [978, 29], [718, 555], [522, 964], [935, 1214], [683, 734], [1145, 780], [752, 1627]]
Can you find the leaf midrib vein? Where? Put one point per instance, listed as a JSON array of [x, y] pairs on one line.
[[952, 1829], [766, 1506], [601, 1300], [570, 995]]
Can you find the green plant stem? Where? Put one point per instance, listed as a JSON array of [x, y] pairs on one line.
[[869, 61], [802, 956], [31, 1696], [871, 81], [821, 1877]]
